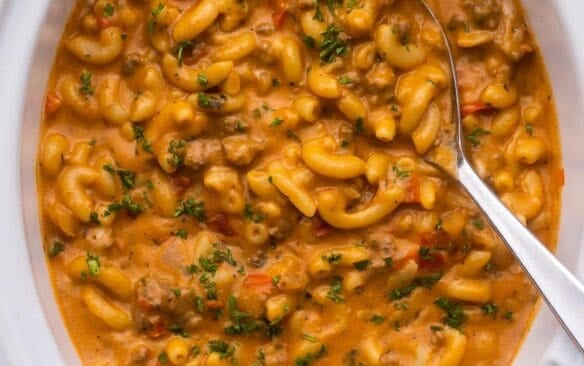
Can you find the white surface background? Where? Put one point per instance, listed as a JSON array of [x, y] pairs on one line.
[[27, 335]]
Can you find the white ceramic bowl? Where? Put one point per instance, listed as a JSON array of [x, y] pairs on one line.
[[31, 330]]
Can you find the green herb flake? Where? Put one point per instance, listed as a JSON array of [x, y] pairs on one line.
[[158, 10], [332, 258], [56, 249], [344, 80], [86, 88], [377, 319], [335, 293], [333, 45], [490, 309], [108, 10], [93, 264], [455, 316], [202, 79], [276, 122], [362, 265], [478, 224], [475, 137], [182, 233], [191, 207], [249, 214]]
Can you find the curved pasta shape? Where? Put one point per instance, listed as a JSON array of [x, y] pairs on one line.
[[454, 349], [319, 265], [394, 52], [427, 131], [188, 78], [299, 196], [377, 167], [323, 85], [318, 156], [415, 91], [332, 205], [101, 307], [85, 106], [97, 52], [54, 149], [292, 60], [195, 20], [360, 21], [236, 47], [109, 103], [109, 277], [72, 185], [527, 201]]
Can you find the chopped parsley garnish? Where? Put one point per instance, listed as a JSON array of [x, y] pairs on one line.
[[202, 80], [478, 223], [309, 41], [276, 122], [276, 82], [388, 262], [158, 10], [489, 267], [180, 50], [108, 10], [427, 282], [249, 214], [400, 173], [163, 358], [141, 139], [362, 265], [242, 322], [127, 177], [176, 291], [176, 149], [93, 218], [276, 280], [377, 319], [344, 80], [318, 14], [292, 135], [308, 358], [359, 125], [93, 264], [335, 293], [332, 258], [475, 137], [427, 253], [182, 233], [257, 113], [191, 207], [351, 4], [332, 45], [85, 88], [210, 286], [436, 328], [490, 309], [508, 315], [56, 249], [224, 349], [310, 338], [529, 129], [455, 316], [209, 101]]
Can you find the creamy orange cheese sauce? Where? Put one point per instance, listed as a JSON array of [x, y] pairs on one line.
[[243, 181]]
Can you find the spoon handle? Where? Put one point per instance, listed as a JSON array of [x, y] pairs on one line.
[[561, 290]]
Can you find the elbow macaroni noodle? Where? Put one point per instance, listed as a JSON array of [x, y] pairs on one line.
[[246, 182]]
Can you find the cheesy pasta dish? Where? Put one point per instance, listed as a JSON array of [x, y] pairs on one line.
[[247, 181]]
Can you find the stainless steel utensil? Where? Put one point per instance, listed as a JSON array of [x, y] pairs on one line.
[[560, 289]]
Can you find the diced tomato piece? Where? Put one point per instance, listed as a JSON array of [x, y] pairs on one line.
[[215, 304], [413, 192], [52, 103], [278, 16], [258, 282], [434, 262], [220, 223], [474, 108], [158, 329], [435, 239]]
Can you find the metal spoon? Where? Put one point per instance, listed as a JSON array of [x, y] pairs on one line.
[[560, 289]]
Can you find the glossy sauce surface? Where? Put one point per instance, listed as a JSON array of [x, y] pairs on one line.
[[243, 182]]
